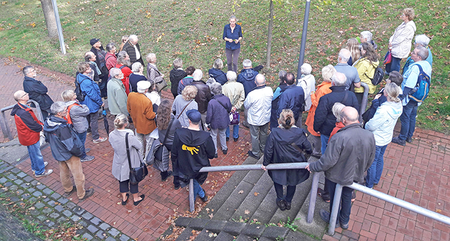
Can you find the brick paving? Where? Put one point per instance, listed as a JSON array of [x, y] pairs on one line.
[[417, 173]]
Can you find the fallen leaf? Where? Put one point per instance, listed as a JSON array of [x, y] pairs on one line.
[[256, 194], [247, 212], [241, 191]]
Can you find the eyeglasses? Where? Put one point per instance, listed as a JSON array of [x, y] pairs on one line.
[[24, 95]]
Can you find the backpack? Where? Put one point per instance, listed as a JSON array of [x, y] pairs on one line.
[[67, 117], [422, 88], [377, 76], [80, 94]]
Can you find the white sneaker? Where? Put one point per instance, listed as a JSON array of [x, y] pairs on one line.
[[45, 164], [100, 139], [45, 173]]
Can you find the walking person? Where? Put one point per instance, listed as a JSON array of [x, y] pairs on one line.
[[120, 166], [286, 144]]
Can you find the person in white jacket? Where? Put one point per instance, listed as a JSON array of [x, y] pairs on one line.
[[308, 83], [259, 105], [382, 126], [400, 41]]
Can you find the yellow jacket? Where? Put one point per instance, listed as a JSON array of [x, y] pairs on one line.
[[366, 70]]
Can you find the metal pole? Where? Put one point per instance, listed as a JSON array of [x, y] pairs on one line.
[[278, 166], [304, 32], [191, 196], [58, 25], [363, 106], [313, 197], [335, 209]]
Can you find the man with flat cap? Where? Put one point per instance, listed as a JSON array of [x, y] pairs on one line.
[[192, 148]]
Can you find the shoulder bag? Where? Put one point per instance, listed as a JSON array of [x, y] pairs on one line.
[[137, 174]]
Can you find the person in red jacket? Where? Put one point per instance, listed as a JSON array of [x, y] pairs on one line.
[[28, 129]]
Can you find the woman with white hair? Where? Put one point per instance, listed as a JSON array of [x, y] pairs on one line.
[[308, 83], [382, 126], [185, 102], [400, 41], [153, 74], [421, 40], [322, 89], [367, 36], [117, 97], [136, 76], [216, 72], [232, 34]]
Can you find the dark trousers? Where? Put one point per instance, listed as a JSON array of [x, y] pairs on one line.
[[346, 201], [394, 65], [232, 59], [133, 188], [289, 194]]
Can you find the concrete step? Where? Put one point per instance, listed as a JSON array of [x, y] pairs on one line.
[[267, 208]]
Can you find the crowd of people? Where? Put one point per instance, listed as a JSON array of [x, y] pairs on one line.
[[204, 108]]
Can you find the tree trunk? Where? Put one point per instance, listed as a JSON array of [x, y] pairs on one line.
[[269, 35], [49, 16]]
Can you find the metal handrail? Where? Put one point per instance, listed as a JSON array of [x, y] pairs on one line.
[[3, 120], [382, 196], [364, 101]]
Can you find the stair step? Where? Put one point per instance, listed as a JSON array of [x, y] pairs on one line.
[[185, 235], [206, 235], [224, 236], [267, 207]]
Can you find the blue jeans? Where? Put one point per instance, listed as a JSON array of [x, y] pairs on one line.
[[375, 170], [37, 161], [235, 130], [324, 142], [82, 137], [408, 120], [394, 65], [198, 190], [346, 201]]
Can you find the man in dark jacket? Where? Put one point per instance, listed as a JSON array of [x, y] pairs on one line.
[[100, 59], [191, 150], [66, 149], [349, 154], [203, 95], [36, 90], [292, 98], [247, 76], [28, 129], [324, 120], [176, 74], [133, 50]]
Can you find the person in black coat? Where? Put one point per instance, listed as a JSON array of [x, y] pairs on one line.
[[100, 55], [36, 90], [176, 74], [217, 73], [286, 144], [324, 120]]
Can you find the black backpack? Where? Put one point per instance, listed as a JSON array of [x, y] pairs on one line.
[[78, 92], [377, 76]]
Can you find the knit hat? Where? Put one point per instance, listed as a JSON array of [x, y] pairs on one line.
[[93, 41]]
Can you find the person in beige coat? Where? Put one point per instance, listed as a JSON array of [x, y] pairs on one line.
[[235, 92], [120, 166], [141, 111]]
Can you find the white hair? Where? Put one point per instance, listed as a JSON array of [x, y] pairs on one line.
[[197, 75], [422, 39], [247, 63], [367, 35], [133, 37], [260, 80], [151, 57], [344, 54], [231, 76], [306, 68], [339, 79], [113, 72], [58, 107], [136, 67]]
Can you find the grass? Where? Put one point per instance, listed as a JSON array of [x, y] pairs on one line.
[[193, 30]]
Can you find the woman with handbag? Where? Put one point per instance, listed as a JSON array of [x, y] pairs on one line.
[[119, 138], [286, 144]]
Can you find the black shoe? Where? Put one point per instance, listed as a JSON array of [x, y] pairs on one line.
[[353, 196], [137, 203], [288, 205], [205, 198], [225, 151], [165, 175], [325, 216], [236, 139], [125, 202], [344, 225], [74, 189], [216, 156], [325, 195], [177, 186], [228, 138], [88, 193], [396, 140], [250, 154], [409, 139], [281, 204]]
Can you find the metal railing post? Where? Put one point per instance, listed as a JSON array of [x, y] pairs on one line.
[[313, 197], [191, 196], [363, 103], [335, 209]]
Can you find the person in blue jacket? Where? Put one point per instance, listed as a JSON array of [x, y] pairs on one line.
[[232, 34], [217, 73]]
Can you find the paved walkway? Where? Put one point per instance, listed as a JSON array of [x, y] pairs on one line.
[[417, 173]]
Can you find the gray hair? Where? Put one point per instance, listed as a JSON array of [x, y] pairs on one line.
[[197, 75], [339, 79], [422, 53], [392, 91], [247, 63], [218, 64], [113, 72], [282, 74], [27, 69], [260, 80], [67, 95], [337, 110], [344, 54], [121, 57], [110, 46], [367, 35], [231, 76], [422, 39], [151, 58], [136, 67], [306, 68], [58, 107], [178, 63], [232, 17], [328, 72], [120, 121], [133, 37], [216, 88]]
